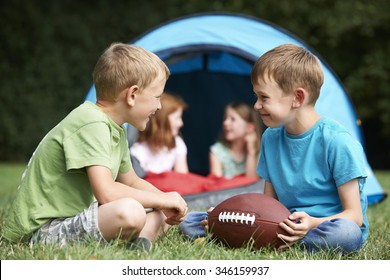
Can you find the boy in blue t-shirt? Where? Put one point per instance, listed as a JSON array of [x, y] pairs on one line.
[[311, 164]]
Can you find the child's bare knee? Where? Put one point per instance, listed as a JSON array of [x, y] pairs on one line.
[[158, 218], [155, 225], [131, 215]]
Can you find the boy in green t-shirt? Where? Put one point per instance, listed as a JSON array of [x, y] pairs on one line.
[[79, 182]]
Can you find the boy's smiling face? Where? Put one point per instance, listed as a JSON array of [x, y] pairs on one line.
[[272, 103], [146, 102]]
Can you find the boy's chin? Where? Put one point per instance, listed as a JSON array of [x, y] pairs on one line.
[[142, 126]]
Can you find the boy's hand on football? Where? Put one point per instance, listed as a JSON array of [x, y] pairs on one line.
[[297, 225], [205, 222]]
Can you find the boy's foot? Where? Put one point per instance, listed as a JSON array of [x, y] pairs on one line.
[[140, 243]]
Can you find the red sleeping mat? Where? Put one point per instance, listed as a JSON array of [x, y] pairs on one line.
[[190, 183]]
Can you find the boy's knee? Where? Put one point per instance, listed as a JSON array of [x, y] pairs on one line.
[[336, 234], [130, 214], [155, 224], [159, 217], [343, 230]]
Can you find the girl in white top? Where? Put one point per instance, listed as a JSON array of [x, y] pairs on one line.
[[237, 151], [159, 147]]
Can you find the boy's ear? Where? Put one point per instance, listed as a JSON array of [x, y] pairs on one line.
[[299, 98], [131, 95]]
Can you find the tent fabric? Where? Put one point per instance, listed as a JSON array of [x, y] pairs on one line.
[[210, 57]]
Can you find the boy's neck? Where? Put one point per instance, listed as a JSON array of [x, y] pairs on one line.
[[303, 121], [111, 110]]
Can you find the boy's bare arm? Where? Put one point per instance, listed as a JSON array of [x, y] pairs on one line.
[[269, 190], [350, 200], [106, 190], [130, 178]]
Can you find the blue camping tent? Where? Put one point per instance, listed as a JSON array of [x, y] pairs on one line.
[[210, 57]]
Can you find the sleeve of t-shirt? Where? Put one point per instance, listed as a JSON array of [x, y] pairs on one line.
[[346, 159], [89, 145], [218, 150]]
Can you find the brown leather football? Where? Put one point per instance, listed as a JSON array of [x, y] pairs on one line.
[[248, 219]]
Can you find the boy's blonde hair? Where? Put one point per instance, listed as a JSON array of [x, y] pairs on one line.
[[158, 133], [290, 66], [121, 66]]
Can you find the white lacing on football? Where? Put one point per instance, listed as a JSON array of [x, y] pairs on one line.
[[226, 217]]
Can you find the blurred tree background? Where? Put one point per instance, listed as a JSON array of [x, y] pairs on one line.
[[49, 48]]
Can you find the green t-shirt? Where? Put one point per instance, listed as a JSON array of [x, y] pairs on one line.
[[55, 183]]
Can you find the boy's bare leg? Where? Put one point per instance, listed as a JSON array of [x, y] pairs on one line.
[[125, 217], [155, 225]]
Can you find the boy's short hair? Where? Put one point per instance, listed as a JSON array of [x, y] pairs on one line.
[[290, 66], [123, 65]]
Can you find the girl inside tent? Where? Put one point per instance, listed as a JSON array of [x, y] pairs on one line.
[[237, 151]]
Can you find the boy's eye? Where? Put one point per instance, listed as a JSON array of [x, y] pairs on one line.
[[260, 96]]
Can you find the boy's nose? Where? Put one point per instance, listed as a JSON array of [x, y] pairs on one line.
[[258, 105]]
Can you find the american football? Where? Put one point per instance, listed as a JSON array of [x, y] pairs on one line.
[[248, 218]]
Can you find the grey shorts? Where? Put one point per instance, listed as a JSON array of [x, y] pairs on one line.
[[82, 227]]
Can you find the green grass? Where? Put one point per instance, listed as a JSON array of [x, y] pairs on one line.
[[174, 247]]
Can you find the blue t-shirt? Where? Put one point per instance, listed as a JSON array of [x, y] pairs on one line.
[[305, 170]]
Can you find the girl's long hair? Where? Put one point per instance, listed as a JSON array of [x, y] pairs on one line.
[[158, 133]]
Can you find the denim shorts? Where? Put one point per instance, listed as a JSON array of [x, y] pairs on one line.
[[82, 227]]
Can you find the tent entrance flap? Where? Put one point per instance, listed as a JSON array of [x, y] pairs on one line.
[[207, 94], [208, 78]]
